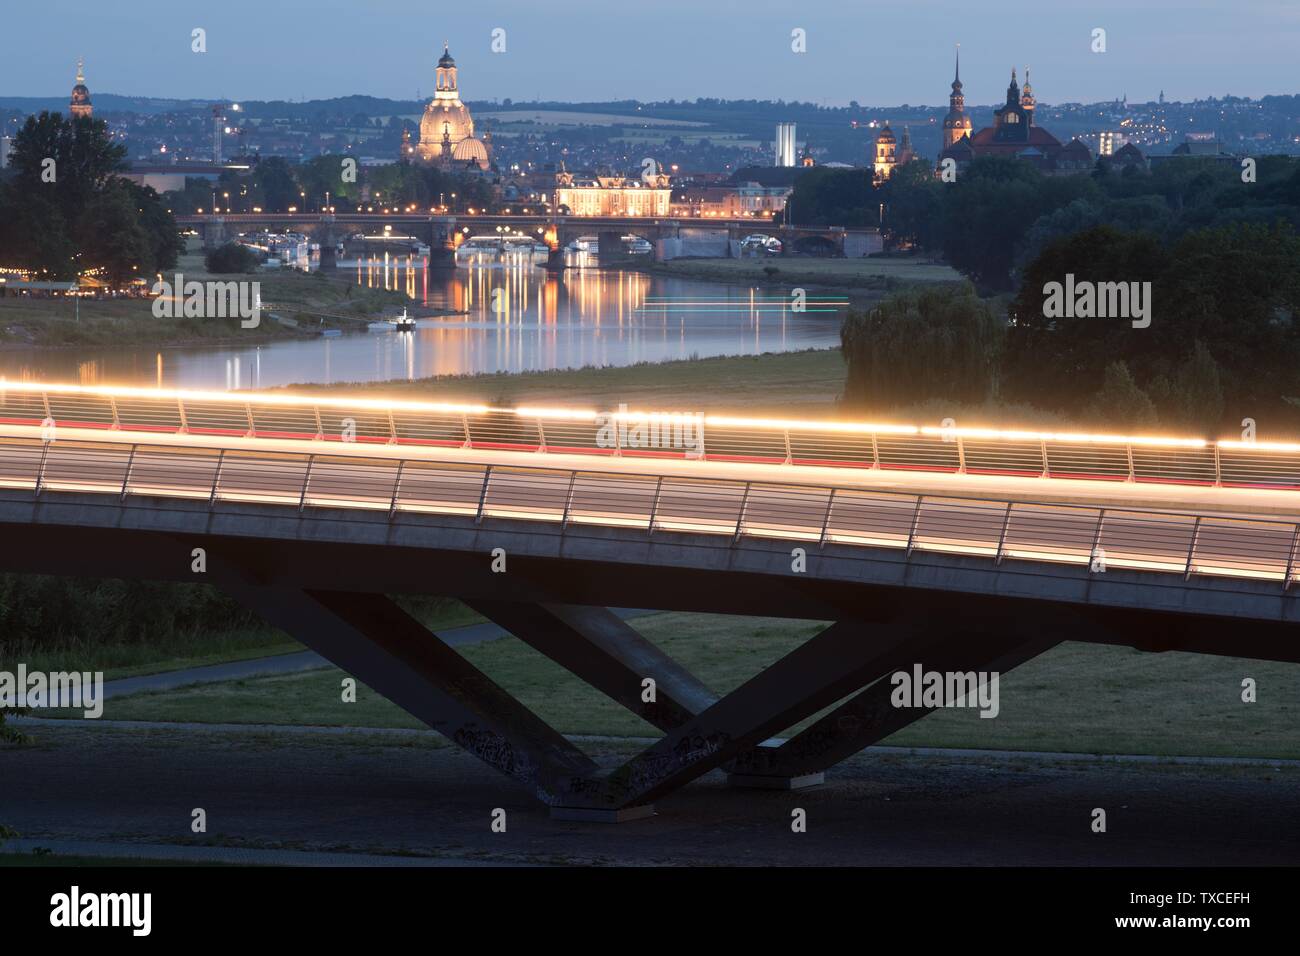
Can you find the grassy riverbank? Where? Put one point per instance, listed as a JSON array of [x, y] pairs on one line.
[[794, 383], [1078, 698], [866, 274], [110, 323]]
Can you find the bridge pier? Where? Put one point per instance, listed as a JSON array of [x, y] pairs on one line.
[[214, 232], [555, 261], [442, 242]]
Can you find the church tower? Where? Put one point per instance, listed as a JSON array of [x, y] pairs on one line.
[[956, 124], [905, 153], [1027, 101], [886, 153], [445, 77], [80, 105]]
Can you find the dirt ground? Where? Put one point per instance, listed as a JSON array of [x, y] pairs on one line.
[[411, 796]]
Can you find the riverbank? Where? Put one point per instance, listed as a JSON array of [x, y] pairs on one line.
[[792, 384], [878, 275], [309, 302]]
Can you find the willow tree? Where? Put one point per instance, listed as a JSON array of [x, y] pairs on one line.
[[942, 343]]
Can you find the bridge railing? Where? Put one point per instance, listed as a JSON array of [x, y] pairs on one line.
[[815, 515], [659, 435]]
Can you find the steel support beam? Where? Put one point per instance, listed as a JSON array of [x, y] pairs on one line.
[[870, 716], [596, 645], [836, 662], [371, 638]]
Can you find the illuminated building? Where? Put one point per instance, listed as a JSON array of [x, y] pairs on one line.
[[447, 129], [80, 105], [612, 195], [956, 124], [891, 153], [1013, 134]]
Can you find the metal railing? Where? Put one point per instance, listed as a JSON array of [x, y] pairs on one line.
[[1100, 538], [714, 438]]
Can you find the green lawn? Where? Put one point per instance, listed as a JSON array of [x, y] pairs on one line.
[[786, 383], [154, 655], [1078, 698]]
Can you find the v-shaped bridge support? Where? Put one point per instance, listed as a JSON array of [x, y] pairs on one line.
[[848, 664]]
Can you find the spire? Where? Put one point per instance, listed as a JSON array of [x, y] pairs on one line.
[[956, 73], [81, 71]]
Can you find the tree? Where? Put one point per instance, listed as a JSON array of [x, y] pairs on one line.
[[165, 240], [231, 258], [1119, 402], [840, 197], [991, 207], [33, 234], [940, 343], [1193, 396], [111, 237], [275, 185], [84, 155], [912, 198], [76, 214], [1058, 362]]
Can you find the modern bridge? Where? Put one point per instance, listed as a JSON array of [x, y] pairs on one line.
[[960, 549]]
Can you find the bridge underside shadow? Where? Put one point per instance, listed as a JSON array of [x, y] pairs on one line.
[[324, 581], [849, 663]]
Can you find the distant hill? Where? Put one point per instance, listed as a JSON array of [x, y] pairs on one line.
[[105, 102]]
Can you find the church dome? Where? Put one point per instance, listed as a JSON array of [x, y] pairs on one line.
[[79, 104], [446, 128], [886, 135], [470, 150], [445, 116]]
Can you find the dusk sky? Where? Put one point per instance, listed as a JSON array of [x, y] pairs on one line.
[[878, 53]]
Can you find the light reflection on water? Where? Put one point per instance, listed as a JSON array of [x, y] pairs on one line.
[[514, 317]]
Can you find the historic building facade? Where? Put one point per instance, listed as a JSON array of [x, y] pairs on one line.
[[447, 129], [891, 152], [1014, 134], [596, 195]]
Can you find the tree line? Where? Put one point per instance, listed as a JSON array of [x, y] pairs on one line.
[[1218, 255], [275, 185]]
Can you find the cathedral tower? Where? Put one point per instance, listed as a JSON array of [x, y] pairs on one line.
[[956, 124]]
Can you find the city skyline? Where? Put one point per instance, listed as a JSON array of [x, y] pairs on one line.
[[728, 51]]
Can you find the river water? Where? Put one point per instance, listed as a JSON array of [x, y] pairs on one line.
[[517, 318]]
